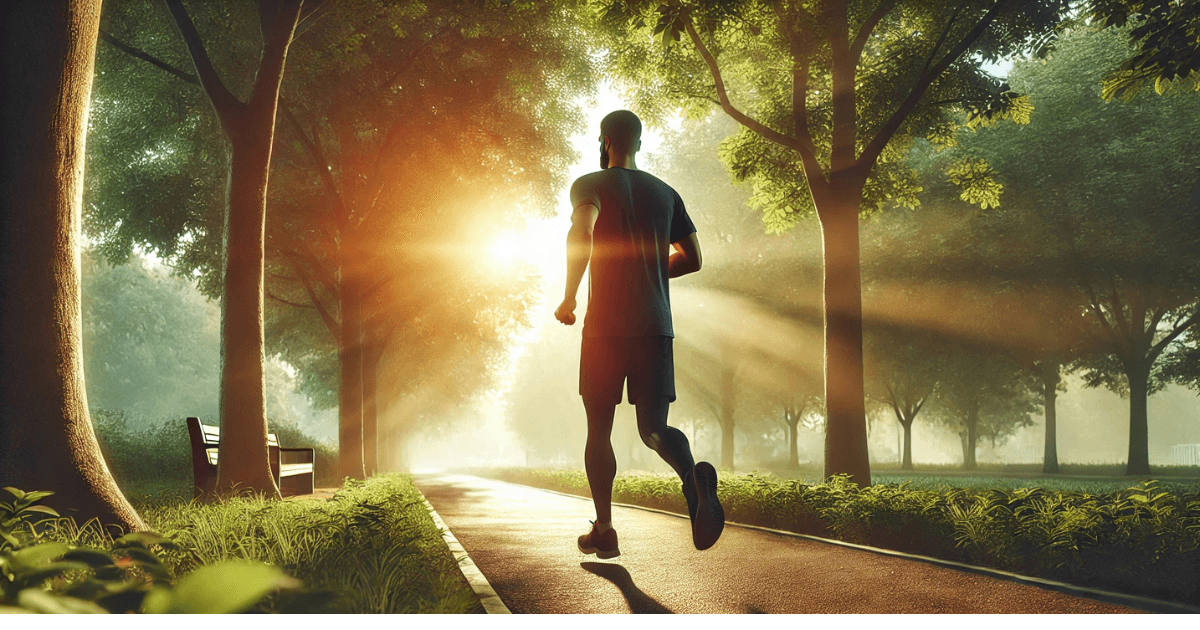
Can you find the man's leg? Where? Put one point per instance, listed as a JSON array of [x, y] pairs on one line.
[[670, 443], [598, 457]]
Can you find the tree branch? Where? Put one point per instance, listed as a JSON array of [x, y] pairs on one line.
[[148, 58], [1177, 330], [872, 151], [288, 302], [864, 31], [330, 323], [723, 97], [226, 104]]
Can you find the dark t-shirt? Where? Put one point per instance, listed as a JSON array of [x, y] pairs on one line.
[[640, 216]]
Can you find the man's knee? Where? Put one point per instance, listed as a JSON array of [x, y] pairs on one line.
[[652, 439]]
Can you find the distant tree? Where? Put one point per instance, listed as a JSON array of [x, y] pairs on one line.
[[982, 395], [151, 342], [1111, 221], [47, 54], [834, 92], [903, 368]]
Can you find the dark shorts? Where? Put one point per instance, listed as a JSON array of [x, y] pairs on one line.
[[606, 362]]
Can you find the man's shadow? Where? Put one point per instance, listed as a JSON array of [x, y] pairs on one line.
[[639, 602]]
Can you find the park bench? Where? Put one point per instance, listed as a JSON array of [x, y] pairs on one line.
[[292, 467]]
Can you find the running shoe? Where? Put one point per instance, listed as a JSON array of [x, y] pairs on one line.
[[708, 518], [603, 545]]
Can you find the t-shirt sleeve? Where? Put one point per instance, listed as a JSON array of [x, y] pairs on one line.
[[681, 223], [583, 192]]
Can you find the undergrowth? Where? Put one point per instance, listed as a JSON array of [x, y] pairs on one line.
[[1143, 539], [372, 548]]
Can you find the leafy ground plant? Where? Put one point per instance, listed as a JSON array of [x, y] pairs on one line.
[[371, 548], [1143, 539]]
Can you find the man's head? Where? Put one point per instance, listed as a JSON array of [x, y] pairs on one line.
[[624, 133]]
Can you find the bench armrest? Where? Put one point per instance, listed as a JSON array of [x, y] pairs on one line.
[[295, 455]]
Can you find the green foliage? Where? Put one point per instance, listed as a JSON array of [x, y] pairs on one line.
[[1143, 539], [157, 458], [41, 574], [371, 548], [1167, 53], [978, 182]]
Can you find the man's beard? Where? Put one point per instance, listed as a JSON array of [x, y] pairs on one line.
[[603, 158]]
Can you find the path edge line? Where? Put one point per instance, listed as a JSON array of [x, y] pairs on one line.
[[492, 604], [1133, 601]]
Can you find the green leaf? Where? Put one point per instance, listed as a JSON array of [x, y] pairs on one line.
[[89, 556], [37, 554], [41, 601], [143, 540], [13, 491], [43, 509], [222, 588], [36, 496]]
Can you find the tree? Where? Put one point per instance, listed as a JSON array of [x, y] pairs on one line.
[[150, 342], [370, 218], [982, 395], [1112, 219], [249, 127], [903, 369], [1168, 51], [838, 90], [45, 430]]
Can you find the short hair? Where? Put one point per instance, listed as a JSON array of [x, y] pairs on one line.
[[623, 129]]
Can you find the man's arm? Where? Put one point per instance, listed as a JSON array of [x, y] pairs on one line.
[[686, 258], [579, 253]]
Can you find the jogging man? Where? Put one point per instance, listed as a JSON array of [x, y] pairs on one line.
[[624, 224]]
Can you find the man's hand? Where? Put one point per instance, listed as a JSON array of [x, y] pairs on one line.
[[566, 312]]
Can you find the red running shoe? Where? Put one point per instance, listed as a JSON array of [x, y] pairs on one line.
[[603, 545]]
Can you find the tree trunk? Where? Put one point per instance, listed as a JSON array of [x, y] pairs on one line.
[[1139, 437], [370, 412], [244, 461], [46, 436], [971, 438], [846, 421], [350, 392], [906, 462], [1050, 380], [250, 128], [793, 448]]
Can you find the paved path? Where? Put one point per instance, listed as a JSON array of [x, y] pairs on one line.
[[523, 540]]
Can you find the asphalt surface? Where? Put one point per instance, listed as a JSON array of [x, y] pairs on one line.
[[523, 540]]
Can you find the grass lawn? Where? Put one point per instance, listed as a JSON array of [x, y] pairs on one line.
[[1128, 536]]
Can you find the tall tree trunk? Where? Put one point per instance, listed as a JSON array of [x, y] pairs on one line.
[[370, 412], [846, 420], [1139, 431], [970, 440], [1050, 380], [906, 462], [244, 460], [350, 392], [250, 129], [46, 436]]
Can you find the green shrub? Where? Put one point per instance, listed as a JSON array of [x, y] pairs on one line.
[[157, 459]]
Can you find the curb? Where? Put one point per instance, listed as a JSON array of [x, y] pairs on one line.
[[492, 604], [1133, 601]]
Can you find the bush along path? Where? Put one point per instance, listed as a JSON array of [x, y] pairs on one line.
[[371, 548], [1142, 540]]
